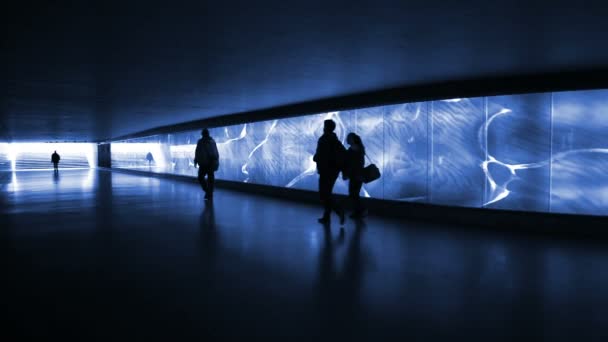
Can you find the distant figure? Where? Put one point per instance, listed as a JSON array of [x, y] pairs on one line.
[[353, 171], [208, 160], [55, 158], [329, 157], [149, 158]]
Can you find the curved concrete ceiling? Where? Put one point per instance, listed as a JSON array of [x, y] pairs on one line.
[[93, 72]]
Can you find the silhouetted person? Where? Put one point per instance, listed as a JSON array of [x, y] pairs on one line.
[[55, 158], [208, 160], [353, 171], [329, 157], [149, 158]]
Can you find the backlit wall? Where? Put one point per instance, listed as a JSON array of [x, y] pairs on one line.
[[37, 156], [534, 152]]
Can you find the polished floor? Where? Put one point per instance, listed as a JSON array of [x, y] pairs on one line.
[[98, 255]]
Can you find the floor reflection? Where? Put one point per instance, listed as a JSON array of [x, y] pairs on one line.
[[209, 247], [340, 283], [154, 249]]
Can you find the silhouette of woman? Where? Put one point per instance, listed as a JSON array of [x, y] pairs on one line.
[[353, 171]]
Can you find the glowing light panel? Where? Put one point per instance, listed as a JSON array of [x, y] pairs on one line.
[[37, 156], [140, 155], [534, 152]]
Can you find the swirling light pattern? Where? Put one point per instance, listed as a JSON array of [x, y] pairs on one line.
[[537, 152]]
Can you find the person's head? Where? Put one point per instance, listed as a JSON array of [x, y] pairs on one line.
[[329, 126], [55, 151], [354, 139], [205, 133]]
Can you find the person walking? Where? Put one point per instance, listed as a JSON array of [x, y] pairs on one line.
[[149, 158], [55, 158], [329, 157], [353, 171], [207, 158]]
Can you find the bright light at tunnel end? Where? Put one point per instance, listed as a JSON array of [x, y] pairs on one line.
[[16, 150]]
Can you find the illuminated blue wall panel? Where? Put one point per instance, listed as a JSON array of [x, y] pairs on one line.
[[405, 152], [457, 154], [132, 154], [580, 152], [296, 152], [518, 137], [233, 144], [263, 163], [181, 150], [534, 152]]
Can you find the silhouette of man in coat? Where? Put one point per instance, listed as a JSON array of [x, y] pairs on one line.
[[207, 158], [329, 157], [55, 158]]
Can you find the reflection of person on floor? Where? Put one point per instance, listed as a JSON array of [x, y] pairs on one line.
[[353, 171], [149, 158], [329, 157], [339, 288], [55, 158], [208, 160]]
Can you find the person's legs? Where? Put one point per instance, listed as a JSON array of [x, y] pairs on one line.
[[326, 186], [333, 204], [201, 179], [210, 182], [354, 190], [325, 194]]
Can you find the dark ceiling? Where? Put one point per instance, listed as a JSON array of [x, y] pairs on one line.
[[76, 71]]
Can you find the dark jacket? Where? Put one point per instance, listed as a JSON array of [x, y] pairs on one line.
[[355, 161], [206, 155], [55, 158], [330, 154]]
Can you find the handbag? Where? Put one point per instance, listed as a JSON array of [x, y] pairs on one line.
[[370, 172]]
